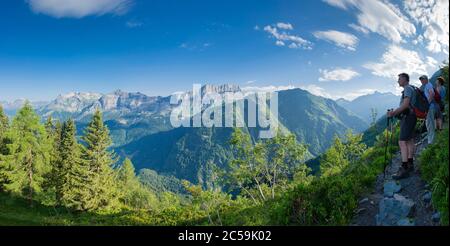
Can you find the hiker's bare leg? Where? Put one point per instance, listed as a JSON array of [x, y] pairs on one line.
[[403, 150], [439, 124], [411, 148]]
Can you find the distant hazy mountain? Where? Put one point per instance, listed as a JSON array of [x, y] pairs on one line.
[[11, 108], [362, 105]]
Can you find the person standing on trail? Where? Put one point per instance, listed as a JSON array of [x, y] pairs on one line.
[[440, 88], [428, 90], [408, 121]]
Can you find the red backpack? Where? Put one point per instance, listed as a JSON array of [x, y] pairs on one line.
[[421, 104], [437, 96]]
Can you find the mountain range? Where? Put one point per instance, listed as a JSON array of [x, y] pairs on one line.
[[140, 127]]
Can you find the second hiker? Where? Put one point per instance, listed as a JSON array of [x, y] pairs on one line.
[[428, 90]]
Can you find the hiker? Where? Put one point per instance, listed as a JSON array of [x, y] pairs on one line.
[[440, 88], [428, 90], [407, 124]]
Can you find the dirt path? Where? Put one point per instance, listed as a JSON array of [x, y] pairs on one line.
[[406, 202]]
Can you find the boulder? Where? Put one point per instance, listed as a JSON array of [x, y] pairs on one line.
[[391, 187], [393, 210], [406, 222], [426, 197], [436, 217]]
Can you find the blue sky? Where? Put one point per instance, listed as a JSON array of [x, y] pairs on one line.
[[333, 48]]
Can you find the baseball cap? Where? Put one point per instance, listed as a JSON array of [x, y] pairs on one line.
[[423, 77]]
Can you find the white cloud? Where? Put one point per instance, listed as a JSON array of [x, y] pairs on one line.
[[431, 62], [195, 46], [418, 40], [285, 26], [339, 74], [79, 8], [283, 37], [358, 28], [270, 88], [348, 95], [134, 24], [354, 94], [279, 43], [399, 60], [315, 90], [433, 16], [379, 17], [341, 39]]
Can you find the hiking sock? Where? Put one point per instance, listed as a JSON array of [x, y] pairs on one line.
[[411, 163]]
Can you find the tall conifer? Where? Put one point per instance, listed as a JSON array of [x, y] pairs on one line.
[[100, 160]]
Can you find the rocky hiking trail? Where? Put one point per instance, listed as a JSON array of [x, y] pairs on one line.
[[406, 202]]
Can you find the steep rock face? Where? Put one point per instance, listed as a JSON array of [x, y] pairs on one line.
[[125, 100], [220, 89], [68, 104]]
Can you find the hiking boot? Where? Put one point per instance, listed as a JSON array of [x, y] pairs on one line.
[[403, 172], [410, 166]]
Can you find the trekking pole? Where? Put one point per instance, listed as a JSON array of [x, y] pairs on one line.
[[386, 145], [392, 136]]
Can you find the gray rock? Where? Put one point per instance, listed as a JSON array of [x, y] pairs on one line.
[[391, 187], [427, 196], [436, 217], [394, 209], [406, 222], [364, 200]]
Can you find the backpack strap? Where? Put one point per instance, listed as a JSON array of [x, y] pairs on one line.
[[415, 95]]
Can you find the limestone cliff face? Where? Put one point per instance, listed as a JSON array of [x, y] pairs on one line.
[[220, 89]]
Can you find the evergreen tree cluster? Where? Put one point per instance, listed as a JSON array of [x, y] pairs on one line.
[[48, 164]]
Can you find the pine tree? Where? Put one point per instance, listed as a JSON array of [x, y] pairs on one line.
[[127, 173], [4, 122], [73, 178], [4, 126], [28, 154], [53, 138], [95, 152], [127, 181], [131, 192]]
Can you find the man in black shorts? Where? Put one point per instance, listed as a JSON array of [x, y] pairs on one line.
[[407, 125]]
